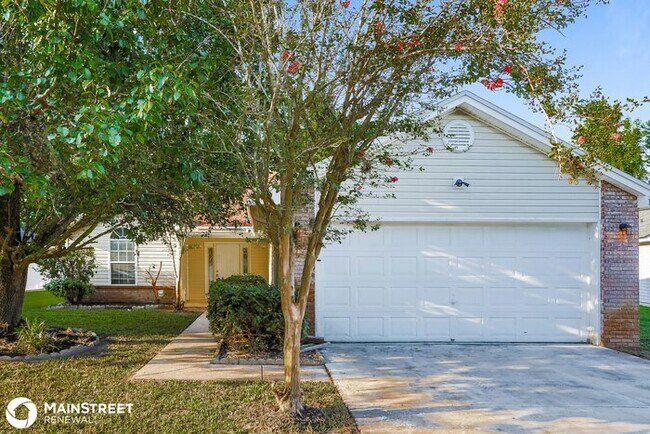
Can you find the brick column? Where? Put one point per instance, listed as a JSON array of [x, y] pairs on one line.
[[304, 219], [619, 276]]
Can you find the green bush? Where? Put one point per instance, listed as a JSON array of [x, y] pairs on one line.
[[78, 264], [253, 279], [245, 311], [70, 275], [69, 288], [33, 337]]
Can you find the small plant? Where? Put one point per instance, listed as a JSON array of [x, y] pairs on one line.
[[153, 274], [178, 305], [70, 275], [34, 338], [73, 290]]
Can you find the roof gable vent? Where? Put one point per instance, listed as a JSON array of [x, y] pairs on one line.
[[458, 136]]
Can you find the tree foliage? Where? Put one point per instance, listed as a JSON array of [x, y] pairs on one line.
[[98, 124], [610, 137]]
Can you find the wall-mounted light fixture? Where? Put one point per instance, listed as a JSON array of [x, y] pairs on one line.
[[625, 228]]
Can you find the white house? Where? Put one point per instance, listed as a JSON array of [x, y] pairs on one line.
[[513, 253], [644, 257]]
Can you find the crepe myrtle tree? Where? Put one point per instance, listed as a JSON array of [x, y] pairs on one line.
[[327, 91], [601, 128], [97, 126]]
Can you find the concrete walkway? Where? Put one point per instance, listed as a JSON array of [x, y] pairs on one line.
[[188, 357], [419, 388]]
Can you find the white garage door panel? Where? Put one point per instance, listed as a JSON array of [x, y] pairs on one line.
[[516, 283]]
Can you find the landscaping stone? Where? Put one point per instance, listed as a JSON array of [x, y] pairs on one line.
[[105, 306], [68, 352], [309, 357]]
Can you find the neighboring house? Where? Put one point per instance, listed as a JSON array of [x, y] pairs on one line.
[[644, 257], [35, 280], [517, 255]]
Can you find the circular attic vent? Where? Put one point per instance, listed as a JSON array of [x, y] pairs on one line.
[[458, 136]]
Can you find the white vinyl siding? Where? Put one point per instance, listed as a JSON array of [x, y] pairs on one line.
[[148, 254], [155, 253], [509, 181], [644, 273]]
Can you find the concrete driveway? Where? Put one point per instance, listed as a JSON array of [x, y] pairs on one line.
[[502, 388]]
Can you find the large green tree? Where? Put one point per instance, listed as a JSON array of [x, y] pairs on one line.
[[328, 91], [98, 125]]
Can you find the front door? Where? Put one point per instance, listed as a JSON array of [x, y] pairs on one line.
[[223, 260], [227, 260]]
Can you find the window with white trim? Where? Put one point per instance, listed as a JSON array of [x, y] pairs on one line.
[[244, 262], [122, 258]]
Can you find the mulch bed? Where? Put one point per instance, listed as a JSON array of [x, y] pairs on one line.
[[63, 340], [229, 355]]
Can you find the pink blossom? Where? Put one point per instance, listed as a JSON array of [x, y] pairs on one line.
[[495, 84], [615, 136], [394, 179], [345, 3], [293, 67], [499, 8], [581, 140]]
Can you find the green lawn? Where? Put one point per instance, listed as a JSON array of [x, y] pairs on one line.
[[644, 314], [163, 407]]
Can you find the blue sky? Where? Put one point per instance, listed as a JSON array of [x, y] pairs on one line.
[[612, 44]]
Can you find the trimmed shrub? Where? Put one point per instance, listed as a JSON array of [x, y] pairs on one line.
[[70, 274], [69, 288], [253, 279], [78, 264], [246, 312], [33, 337]]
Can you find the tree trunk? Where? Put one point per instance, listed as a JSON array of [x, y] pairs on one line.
[[12, 293], [290, 398], [178, 263], [292, 334], [13, 276]]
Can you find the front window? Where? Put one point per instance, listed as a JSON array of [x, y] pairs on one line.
[[122, 258], [244, 262]]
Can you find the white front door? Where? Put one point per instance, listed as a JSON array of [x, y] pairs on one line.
[[227, 260], [455, 282]]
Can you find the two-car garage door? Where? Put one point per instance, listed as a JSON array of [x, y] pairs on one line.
[[458, 282]]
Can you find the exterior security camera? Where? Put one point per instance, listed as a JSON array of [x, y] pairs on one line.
[[460, 183]]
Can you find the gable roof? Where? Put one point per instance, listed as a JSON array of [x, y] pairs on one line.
[[534, 137]]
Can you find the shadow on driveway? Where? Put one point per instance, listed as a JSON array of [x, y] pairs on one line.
[[506, 388]]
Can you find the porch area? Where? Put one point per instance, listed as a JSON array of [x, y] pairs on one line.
[[217, 256]]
